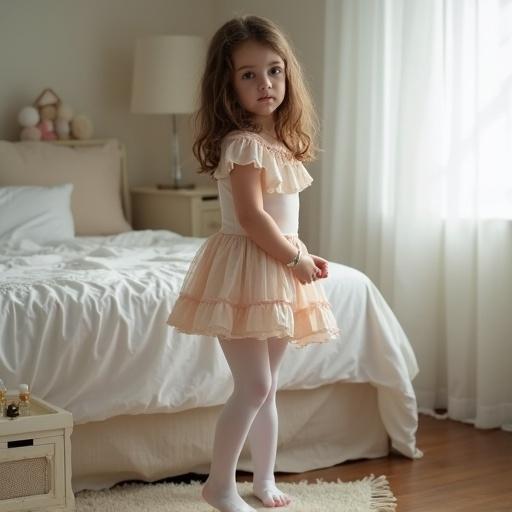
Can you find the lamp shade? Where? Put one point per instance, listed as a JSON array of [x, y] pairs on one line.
[[166, 74]]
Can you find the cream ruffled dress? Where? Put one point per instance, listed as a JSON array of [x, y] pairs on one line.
[[233, 288]]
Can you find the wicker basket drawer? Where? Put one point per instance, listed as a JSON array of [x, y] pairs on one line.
[[28, 474]]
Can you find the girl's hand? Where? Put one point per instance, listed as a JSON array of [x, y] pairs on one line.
[[306, 270], [322, 265]]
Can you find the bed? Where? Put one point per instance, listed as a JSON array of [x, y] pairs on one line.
[[83, 322]]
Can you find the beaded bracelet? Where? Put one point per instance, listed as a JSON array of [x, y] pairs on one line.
[[295, 260]]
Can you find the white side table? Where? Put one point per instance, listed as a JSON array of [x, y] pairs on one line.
[[189, 212], [35, 459]]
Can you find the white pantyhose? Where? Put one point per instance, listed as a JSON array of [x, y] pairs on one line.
[[250, 413]]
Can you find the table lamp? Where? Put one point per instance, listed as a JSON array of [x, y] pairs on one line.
[[166, 75]]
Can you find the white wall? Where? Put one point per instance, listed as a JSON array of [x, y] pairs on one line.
[[83, 50]]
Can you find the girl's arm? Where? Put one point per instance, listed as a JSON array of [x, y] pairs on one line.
[[259, 225]]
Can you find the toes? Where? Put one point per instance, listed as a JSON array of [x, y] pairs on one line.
[[285, 499], [270, 502], [275, 499], [278, 500]]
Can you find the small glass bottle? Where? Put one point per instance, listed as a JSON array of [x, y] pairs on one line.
[[3, 398], [24, 400]]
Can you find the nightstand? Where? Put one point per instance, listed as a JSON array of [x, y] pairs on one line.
[[35, 459], [189, 212]]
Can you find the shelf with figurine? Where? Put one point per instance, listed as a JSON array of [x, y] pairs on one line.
[[12, 408], [48, 119]]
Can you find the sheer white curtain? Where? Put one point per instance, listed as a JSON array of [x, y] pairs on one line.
[[417, 184]]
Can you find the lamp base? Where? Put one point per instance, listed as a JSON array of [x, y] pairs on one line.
[[171, 186]]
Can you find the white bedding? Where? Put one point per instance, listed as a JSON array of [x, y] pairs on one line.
[[83, 322]]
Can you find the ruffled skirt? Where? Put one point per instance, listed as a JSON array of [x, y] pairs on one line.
[[234, 289]]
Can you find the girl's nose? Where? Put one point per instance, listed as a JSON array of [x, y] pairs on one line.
[[265, 82]]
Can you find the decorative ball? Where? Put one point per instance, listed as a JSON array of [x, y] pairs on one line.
[[81, 127], [30, 133], [28, 116], [48, 112], [65, 112], [62, 128]]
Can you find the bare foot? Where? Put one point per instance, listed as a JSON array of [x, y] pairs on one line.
[[269, 494], [224, 500]]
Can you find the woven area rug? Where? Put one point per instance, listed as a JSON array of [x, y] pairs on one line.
[[367, 495]]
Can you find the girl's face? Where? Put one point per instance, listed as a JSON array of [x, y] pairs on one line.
[[258, 72]]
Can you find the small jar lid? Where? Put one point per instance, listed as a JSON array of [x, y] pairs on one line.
[[24, 388]]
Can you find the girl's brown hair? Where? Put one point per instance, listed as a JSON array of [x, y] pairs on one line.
[[296, 122]]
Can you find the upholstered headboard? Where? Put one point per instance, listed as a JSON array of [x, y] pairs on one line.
[[124, 187], [100, 200]]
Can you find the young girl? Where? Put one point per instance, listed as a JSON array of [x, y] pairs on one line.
[[253, 284]]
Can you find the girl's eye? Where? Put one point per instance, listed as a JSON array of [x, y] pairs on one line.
[[272, 71]]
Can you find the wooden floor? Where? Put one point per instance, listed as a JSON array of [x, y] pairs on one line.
[[462, 469]]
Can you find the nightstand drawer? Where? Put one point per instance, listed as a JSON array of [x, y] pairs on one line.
[[211, 222], [30, 477]]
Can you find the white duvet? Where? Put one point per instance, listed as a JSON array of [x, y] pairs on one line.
[[83, 322]]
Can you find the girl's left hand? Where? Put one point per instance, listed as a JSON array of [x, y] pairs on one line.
[[322, 265]]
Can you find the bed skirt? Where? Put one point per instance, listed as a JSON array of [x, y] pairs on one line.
[[318, 428]]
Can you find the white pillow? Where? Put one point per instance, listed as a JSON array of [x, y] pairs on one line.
[[41, 214]]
